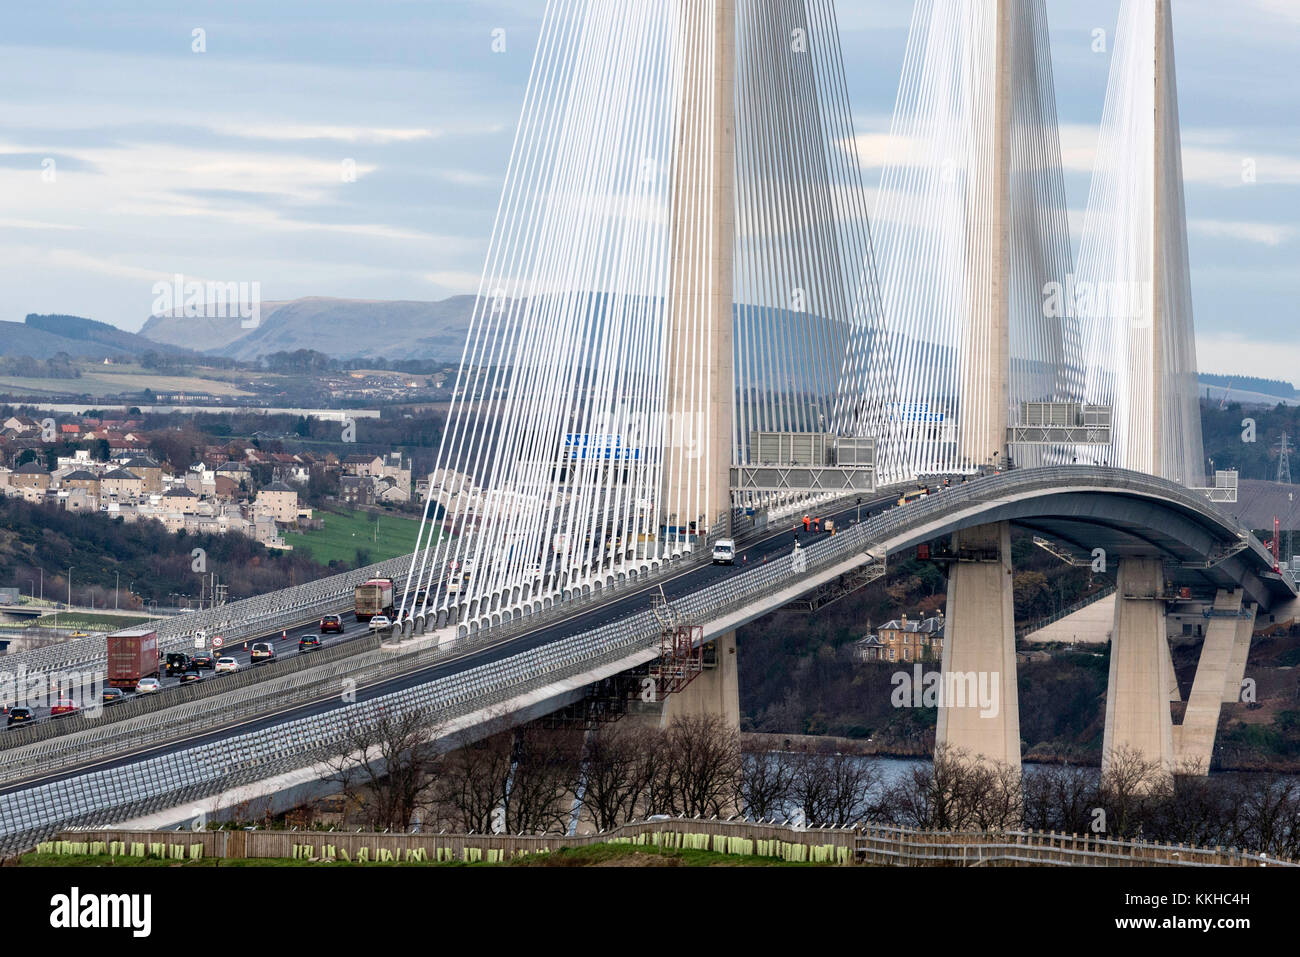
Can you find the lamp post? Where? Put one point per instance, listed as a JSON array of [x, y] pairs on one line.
[[117, 587]]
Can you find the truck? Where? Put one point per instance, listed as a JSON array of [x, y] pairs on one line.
[[374, 597], [132, 655]]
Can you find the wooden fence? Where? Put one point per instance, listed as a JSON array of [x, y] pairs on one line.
[[869, 844]]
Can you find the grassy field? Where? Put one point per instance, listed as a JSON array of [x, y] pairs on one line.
[[595, 855], [344, 533], [85, 621], [110, 380]]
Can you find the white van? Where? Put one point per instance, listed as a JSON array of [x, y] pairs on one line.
[[724, 552]]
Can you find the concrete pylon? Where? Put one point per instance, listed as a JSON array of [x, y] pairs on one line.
[[1137, 699], [716, 691], [985, 387], [979, 649], [1194, 738], [699, 383], [1236, 670]]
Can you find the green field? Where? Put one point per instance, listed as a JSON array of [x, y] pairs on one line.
[[346, 532], [84, 621]]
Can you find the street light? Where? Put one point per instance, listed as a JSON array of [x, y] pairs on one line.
[[117, 586]]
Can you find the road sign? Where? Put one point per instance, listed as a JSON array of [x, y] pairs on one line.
[[217, 641], [200, 639]]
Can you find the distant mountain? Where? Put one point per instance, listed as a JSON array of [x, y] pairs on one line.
[[42, 337], [342, 328]]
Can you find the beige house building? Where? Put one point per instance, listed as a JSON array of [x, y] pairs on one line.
[[121, 486], [280, 502]]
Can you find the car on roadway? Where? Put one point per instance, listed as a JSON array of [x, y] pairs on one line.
[[724, 552], [79, 634], [331, 623], [204, 659], [227, 665], [191, 676], [380, 622], [309, 642], [20, 716], [262, 651], [148, 686], [64, 706], [112, 696]]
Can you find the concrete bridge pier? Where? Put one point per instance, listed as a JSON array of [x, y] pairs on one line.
[[979, 649], [1194, 738], [716, 691], [1137, 699], [1236, 670]]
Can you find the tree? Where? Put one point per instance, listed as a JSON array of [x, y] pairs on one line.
[[543, 778], [386, 766], [766, 779], [614, 776], [703, 768]]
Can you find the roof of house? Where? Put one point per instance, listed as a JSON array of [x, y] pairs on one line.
[[31, 468], [141, 462], [81, 475], [179, 492], [928, 626], [277, 487], [122, 474]]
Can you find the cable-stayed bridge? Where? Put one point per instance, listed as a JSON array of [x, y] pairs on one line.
[[689, 330]]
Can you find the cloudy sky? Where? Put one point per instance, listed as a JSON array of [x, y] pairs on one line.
[[126, 156]]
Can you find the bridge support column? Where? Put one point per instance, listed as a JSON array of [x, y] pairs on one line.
[[979, 649], [1137, 699], [1194, 738], [1236, 670], [716, 691]]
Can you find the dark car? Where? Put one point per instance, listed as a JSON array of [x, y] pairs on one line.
[[331, 623], [20, 716], [309, 642], [188, 677], [205, 660], [262, 651], [176, 663], [113, 695]]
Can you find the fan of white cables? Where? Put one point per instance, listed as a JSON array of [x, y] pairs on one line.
[[946, 269], [1134, 286], [672, 159]]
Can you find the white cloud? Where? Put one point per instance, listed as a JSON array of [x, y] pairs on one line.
[[1233, 354], [1267, 234]]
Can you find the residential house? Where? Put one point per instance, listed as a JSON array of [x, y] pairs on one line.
[[121, 485]]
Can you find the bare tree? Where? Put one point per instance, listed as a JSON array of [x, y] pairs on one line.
[[1126, 789], [544, 774], [614, 759], [703, 765], [472, 784], [766, 778], [386, 765]]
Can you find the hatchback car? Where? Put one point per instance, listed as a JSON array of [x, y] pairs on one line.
[[64, 706], [20, 716], [204, 659], [148, 686], [189, 677], [309, 642], [331, 623], [227, 665], [262, 651], [112, 696]]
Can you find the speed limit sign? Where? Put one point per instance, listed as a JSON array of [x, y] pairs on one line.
[[217, 641]]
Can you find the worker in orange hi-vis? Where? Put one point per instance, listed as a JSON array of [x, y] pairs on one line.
[[817, 524], [806, 521]]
